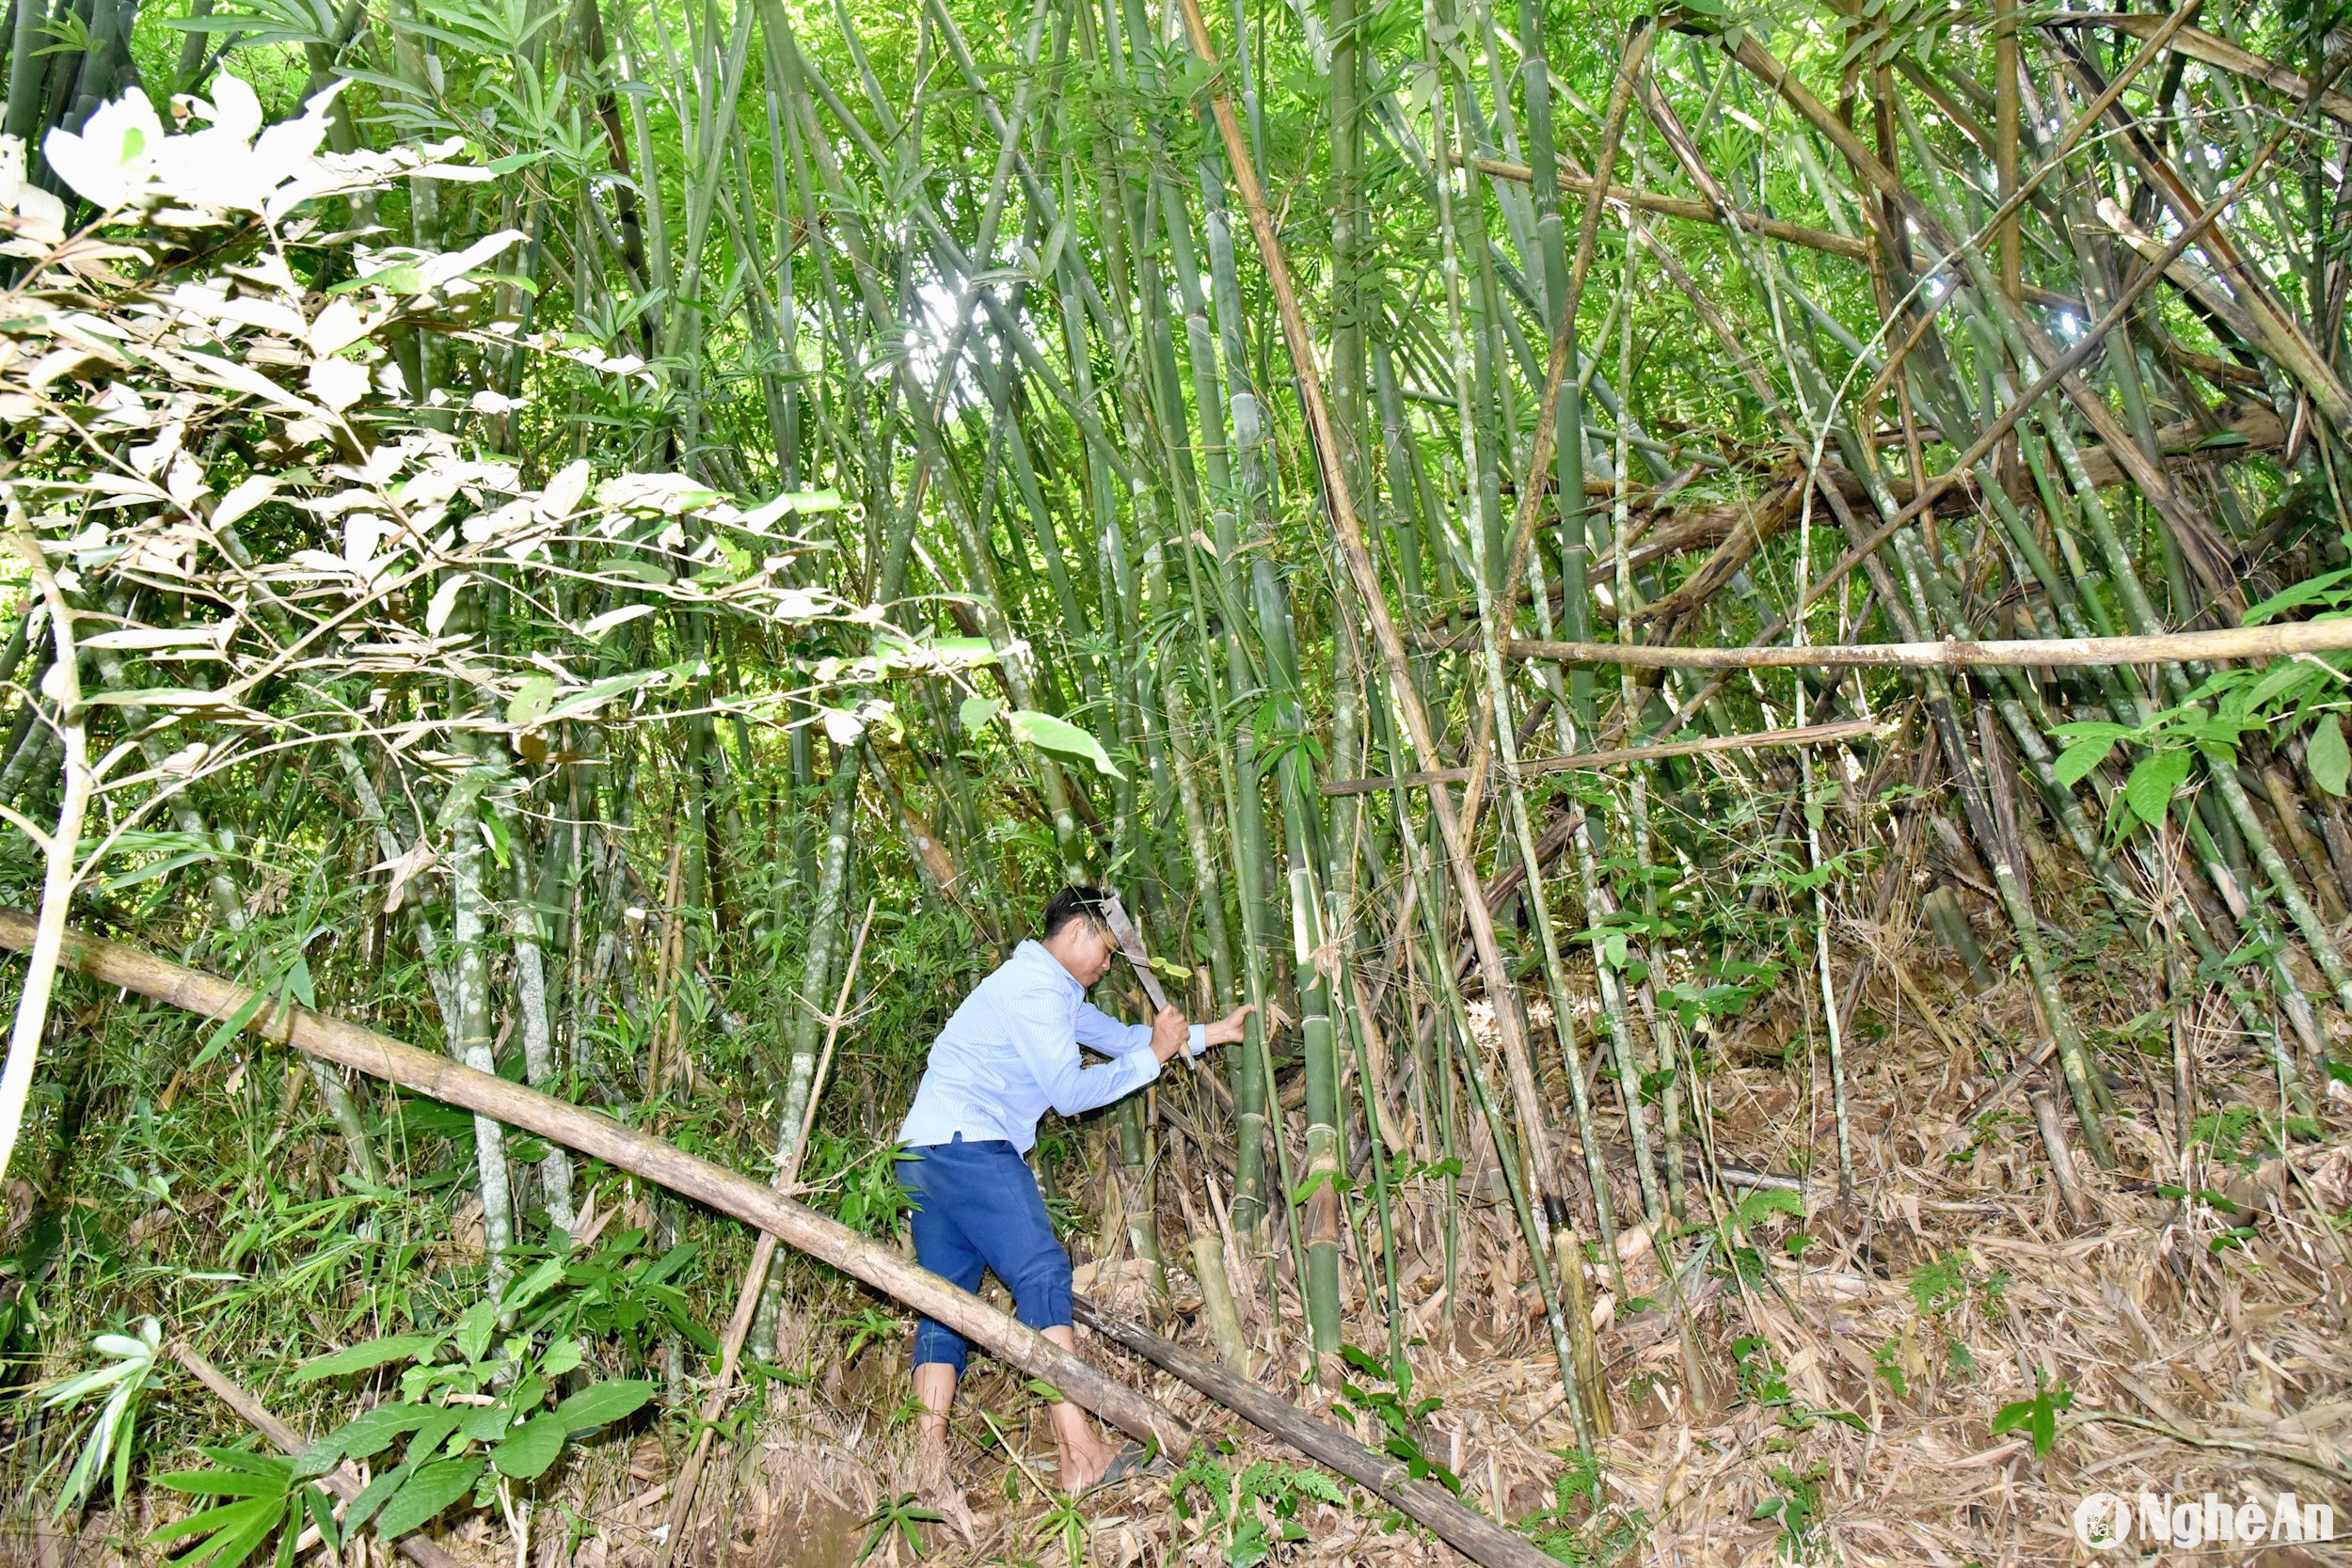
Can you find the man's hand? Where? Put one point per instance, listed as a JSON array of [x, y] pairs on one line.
[[1229, 1029], [1169, 1032]]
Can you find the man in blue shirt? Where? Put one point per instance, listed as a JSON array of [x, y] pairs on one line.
[[1009, 1053]]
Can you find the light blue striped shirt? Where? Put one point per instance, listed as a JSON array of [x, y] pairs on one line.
[[1010, 1052]]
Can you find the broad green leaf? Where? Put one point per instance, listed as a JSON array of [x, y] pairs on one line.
[[364, 1436], [2152, 780], [1049, 733], [433, 1488], [1767, 1201], [530, 700], [485, 1424], [975, 712], [2076, 763], [538, 1282], [530, 1448], [2327, 757], [367, 1354], [603, 1403], [475, 1329]]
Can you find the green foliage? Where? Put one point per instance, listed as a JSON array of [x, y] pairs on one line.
[[856, 1178], [2246, 1135], [1579, 1526], [1764, 1381], [902, 1515], [1796, 1507], [1251, 1513], [1887, 1361], [480, 1400], [256, 1495], [1396, 1411], [2037, 1417], [113, 1432]]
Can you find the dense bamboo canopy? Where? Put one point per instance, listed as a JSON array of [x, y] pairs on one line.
[[1727, 617]]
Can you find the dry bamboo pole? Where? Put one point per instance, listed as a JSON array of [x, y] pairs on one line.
[[739, 1197], [2212, 49], [2288, 640], [1807, 735]]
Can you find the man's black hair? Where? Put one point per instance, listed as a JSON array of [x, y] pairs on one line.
[[1074, 903]]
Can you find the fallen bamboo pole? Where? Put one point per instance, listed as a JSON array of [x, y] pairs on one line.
[[2284, 641], [641, 1154], [1808, 734], [589, 1133]]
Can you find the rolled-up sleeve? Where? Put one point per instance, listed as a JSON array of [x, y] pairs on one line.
[[1048, 1038], [1106, 1033]]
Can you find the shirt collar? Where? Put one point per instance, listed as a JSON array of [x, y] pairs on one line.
[[1034, 951]]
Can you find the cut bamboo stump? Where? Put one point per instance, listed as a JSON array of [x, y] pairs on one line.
[[1217, 1303], [438, 1078]]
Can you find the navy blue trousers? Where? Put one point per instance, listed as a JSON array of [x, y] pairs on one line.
[[976, 1208]]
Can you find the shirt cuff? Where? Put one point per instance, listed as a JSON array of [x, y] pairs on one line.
[[1197, 1040]]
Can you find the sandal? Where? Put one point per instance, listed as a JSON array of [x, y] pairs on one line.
[[1130, 1462]]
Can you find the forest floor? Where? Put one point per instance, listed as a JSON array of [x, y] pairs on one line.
[[1829, 1393]]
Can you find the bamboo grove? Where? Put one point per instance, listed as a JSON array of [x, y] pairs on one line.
[[1233, 453]]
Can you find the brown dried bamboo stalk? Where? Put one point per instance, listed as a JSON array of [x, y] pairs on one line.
[[2202, 46], [1692, 210]]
